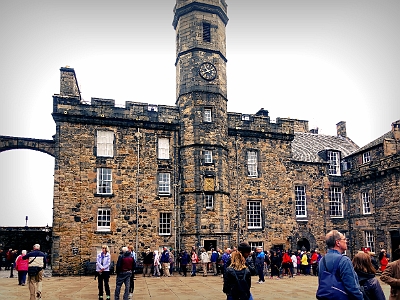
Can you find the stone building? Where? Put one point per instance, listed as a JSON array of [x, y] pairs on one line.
[[194, 174]]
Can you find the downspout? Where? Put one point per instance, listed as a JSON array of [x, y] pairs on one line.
[[237, 191], [138, 135]]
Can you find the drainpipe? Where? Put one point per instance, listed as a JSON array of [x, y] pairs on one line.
[[138, 135], [237, 191]]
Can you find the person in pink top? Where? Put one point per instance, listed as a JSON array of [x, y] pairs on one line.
[[21, 265]]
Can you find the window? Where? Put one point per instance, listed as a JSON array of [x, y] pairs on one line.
[[207, 115], [209, 201], [300, 201], [366, 157], [252, 164], [207, 32], [103, 219], [152, 107], [334, 163], [253, 245], [163, 184], [369, 240], [163, 148], [366, 203], [335, 202], [208, 156], [253, 214], [245, 118], [104, 181], [165, 224], [105, 143]]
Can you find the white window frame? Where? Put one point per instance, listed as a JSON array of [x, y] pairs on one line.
[[207, 115], [105, 143], [104, 181], [334, 162], [370, 240], [103, 219], [254, 216], [366, 157], [253, 245], [252, 163], [164, 184], [209, 201], [366, 203], [208, 158], [335, 202], [164, 227], [300, 200], [163, 148]]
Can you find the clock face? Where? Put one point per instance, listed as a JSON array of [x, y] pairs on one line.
[[208, 71]]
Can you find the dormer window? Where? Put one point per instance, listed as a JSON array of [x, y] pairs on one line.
[[334, 162]]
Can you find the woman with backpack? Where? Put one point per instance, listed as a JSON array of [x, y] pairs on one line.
[[369, 285], [237, 279]]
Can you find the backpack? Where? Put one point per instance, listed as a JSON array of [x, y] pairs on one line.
[[329, 287], [241, 290]]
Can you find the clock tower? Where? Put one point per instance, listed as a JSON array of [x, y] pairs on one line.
[[201, 91]]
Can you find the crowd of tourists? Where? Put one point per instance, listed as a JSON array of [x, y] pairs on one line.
[[338, 276]]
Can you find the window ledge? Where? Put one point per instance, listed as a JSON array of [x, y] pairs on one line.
[[103, 232], [104, 195], [301, 219]]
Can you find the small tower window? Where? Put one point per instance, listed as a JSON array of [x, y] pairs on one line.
[[206, 32]]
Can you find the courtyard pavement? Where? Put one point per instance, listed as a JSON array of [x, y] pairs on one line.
[[164, 288]]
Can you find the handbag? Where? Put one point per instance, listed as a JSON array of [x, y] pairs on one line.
[[329, 286]]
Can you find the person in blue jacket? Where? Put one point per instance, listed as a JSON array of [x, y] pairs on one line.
[[336, 243]]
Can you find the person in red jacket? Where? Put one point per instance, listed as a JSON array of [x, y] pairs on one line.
[[21, 266], [314, 262], [287, 264]]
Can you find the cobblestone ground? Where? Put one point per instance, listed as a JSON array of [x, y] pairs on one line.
[[164, 288]]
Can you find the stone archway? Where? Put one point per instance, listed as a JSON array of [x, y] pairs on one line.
[[11, 142], [303, 244]]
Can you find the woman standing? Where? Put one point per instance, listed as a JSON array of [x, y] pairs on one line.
[[237, 279], [156, 263], [21, 265], [195, 260], [366, 276], [275, 265], [205, 259], [185, 258], [383, 259], [103, 271], [391, 276]]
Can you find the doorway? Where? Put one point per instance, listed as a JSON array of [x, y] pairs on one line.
[[208, 244]]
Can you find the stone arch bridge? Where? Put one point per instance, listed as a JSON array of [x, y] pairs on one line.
[[11, 142]]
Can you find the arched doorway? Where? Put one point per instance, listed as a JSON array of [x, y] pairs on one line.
[[303, 243]]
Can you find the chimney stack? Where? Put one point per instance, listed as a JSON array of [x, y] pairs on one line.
[[68, 83], [396, 130], [341, 129]]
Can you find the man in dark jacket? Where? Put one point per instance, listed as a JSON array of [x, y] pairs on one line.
[[165, 262], [125, 268]]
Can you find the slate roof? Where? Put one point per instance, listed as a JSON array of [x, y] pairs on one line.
[[307, 146], [374, 143]]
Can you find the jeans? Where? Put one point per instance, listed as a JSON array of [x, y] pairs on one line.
[[122, 278], [260, 272]]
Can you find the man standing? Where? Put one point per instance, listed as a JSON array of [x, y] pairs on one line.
[[214, 257], [37, 260], [337, 244], [125, 267], [260, 261], [165, 262], [391, 276]]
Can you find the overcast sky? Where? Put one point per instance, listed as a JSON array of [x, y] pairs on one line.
[[322, 61]]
